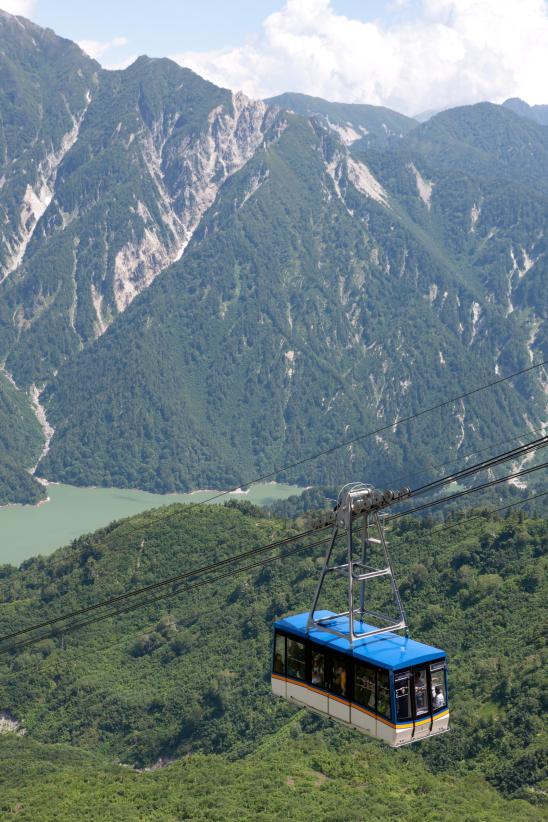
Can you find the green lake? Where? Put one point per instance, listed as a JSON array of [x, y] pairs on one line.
[[26, 531]]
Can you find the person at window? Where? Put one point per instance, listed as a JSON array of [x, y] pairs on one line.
[[420, 692], [439, 699], [317, 674], [278, 663], [341, 679]]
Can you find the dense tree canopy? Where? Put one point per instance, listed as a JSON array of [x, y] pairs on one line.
[[190, 674]]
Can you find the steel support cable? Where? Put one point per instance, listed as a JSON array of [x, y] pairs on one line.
[[394, 423], [59, 631], [140, 603], [228, 560], [446, 527], [160, 519], [124, 639], [162, 583], [459, 494], [346, 443], [432, 467], [491, 462], [332, 449]]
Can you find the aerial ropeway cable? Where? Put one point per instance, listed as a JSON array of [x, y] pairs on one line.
[[392, 426], [195, 572], [474, 489], [328, 519], [323, 524], [490, 462], [162, 518], [235, 572], [364, 675]]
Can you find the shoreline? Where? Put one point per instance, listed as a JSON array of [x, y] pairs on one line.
[[39, 529], [25, 504], [212, 491]]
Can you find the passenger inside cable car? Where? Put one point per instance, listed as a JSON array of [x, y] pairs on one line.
[[386, 686]]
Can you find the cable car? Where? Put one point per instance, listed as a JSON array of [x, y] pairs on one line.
[[368, 677]]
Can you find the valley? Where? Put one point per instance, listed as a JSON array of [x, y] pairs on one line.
[[201, 263], [200, 286]]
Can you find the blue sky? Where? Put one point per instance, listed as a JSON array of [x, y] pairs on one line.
[[170, 26], [411, 55]]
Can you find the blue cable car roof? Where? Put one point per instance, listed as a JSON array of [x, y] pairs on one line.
[[388, 650]]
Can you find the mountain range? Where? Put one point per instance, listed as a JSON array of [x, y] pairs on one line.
[[196, 287]]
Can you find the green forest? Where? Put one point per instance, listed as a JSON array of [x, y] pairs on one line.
[[231, 360], [198, 289], [181, 686], [331, 287], [21, 442]]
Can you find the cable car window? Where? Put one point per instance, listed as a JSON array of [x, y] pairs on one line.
[[421, 692], [339, 676], [364, 685], [402, 684], [296, 659], [383, 693], [279, 654], [437, 678], [317, 669]]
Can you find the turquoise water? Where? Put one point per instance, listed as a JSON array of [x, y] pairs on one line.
[[29, 530]]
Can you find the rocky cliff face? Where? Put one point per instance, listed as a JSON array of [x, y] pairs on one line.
[[187, 175], [115, 201], [46, 88], [201, 284]]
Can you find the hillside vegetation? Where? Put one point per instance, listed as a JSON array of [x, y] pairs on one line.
[[21, 443], [189, 676], [296, 774]]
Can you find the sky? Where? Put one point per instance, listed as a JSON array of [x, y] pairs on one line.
[[410, 55]]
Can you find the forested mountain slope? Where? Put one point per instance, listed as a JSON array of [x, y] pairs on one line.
[[539, 113], [292, 776], [206, 285], [154, 146], [20, 446], [310, 305], [350, 121], [45, 89], [190, 675]]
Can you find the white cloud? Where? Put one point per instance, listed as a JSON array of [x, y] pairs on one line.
[[22, 7], [452, 52], [97, 48], [122, 63]]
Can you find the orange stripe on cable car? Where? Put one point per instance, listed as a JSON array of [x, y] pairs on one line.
[[385, 721], [364, 710], [317, 690], [339, 699], [373, 715], [398, 726]]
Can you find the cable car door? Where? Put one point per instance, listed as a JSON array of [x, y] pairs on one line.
[[403, 685], [423, 717]]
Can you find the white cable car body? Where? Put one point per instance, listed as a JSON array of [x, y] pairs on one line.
[[366, 676]]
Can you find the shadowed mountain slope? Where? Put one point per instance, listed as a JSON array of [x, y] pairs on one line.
[[207, 286]]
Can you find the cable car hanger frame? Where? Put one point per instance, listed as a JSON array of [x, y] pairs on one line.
[[357, 500]]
